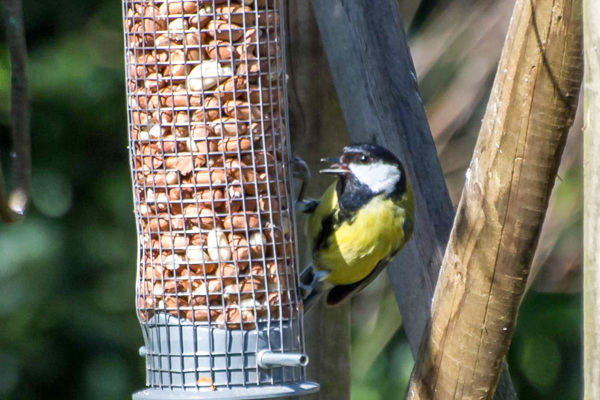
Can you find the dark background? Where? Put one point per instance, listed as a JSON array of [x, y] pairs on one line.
[[68, 328]]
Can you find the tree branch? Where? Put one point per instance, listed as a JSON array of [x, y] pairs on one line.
[[13, 206], [503, 204]]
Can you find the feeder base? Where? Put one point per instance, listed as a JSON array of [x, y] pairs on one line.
[[257, 392]]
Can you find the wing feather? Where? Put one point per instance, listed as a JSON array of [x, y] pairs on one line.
[[339, 293]]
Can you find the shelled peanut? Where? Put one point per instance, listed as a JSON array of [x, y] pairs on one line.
[[208, 146]]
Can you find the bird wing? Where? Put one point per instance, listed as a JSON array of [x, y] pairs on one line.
[[339, 293]]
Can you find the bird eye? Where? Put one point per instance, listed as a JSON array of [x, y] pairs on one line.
[[364, 158]]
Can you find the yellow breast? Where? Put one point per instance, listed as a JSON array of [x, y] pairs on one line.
[[358, 244]]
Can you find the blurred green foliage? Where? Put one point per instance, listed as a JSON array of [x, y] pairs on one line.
[[545, 358], [68, 328]]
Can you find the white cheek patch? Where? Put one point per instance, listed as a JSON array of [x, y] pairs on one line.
[[379, 177]]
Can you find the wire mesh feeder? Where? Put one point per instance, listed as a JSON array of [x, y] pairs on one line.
[[209, 159]]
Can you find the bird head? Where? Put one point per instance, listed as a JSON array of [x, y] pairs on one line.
[[369, 165]]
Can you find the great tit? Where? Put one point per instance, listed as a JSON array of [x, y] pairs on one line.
[[358, 225]]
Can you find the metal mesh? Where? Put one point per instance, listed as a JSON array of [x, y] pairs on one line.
[[211, 181]]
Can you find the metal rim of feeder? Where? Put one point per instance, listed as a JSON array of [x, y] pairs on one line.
[[209, 153]]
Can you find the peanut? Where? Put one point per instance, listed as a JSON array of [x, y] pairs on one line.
[[228, 126], [223, 30], [236, 14], [207, 75], [231, 88], [233, 145], [178, 7], [218, 246], [220, 50], [241, 221], [242, 110], [214, 177]]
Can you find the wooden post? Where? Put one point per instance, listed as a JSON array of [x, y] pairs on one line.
[[503, 204], [317, 129], [591, 217], [377, 89]]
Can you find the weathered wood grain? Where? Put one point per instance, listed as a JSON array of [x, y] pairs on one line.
[[500, 215], [591, 206]]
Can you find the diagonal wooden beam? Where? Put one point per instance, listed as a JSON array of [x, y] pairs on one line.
[[503, 204], [377, 90], [376, 85]]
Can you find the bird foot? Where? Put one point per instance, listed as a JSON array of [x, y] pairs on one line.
[[301, 171], [306, 206], [304, 290], [319, 277]]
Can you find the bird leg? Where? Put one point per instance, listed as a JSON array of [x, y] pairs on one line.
[[301, 171], [311, 281], [313, 284]]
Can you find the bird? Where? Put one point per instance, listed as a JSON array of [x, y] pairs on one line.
[[359, 224]]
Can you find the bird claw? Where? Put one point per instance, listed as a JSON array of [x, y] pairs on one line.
[[319, 277], [304, 290], [301, 171], [305, 206]]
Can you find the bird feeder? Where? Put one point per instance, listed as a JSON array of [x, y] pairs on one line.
[[209, 150]]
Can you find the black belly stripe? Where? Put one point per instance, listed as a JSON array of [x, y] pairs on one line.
[[327, 225]]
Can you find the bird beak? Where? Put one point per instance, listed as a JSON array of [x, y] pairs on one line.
[[337, 167]]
